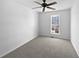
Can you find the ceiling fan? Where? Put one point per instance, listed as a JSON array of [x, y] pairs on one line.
[[45, 5]]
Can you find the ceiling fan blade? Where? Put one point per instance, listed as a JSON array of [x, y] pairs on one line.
[[51, 3], [37, 2], [43, 9], [51, 8], [37, 7], [44, 1]]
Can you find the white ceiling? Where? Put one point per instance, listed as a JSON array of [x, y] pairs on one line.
[[61, 4]]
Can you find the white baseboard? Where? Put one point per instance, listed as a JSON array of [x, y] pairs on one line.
[[75, 47], [17, 47]]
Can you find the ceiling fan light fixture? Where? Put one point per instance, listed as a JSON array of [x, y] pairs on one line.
[[45, 5]]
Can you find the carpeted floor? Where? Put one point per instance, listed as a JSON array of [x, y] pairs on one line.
[[44, 47]]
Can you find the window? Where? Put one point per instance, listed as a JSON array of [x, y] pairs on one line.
[[55, 24]]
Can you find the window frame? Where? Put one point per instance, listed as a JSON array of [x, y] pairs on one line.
[[51, 24]]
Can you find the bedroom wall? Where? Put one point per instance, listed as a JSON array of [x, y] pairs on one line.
[[75, 25], [45, 23], [18, 25]]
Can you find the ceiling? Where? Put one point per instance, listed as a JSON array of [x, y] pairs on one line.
[[61, 4]]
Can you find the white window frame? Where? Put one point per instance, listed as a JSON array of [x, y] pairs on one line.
[[51, 25]]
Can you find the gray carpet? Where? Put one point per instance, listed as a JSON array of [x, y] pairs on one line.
[[44, 47]]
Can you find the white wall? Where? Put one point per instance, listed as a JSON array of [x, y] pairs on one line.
[[18, 25], [75, 25], [45, 23]]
